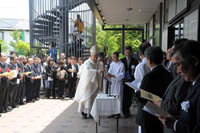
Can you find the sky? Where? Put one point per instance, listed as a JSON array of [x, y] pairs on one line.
[[18, 9]]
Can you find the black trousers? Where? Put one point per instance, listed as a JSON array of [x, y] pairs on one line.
[[37, 84], [3, 96], [72, 87], [29, 91], [151, 124], [127, 99], [13, 89], [21, 92], [61, 87]]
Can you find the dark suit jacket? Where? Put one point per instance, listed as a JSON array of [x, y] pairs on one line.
[[4, 81], [189, 122], [69, 73], [128, 69], [171, 69], [22, 70], [28, 68], [37, 69], [50, 71], [12, 66], [174, 95], [156, 82]]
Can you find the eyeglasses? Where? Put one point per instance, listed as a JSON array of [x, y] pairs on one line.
[[176, 64]]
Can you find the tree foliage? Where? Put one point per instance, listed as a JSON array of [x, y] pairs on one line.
[[16, 35], [21, 47], [4, 47], [111, 40]]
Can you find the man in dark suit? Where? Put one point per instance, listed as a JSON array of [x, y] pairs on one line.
[[187, 60], [130, 64], [156, 82], [21, 93], [3, 84], [37, 81], [72, 69], [170, 66], [29, 81], [14, 82]]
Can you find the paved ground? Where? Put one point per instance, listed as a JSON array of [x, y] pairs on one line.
[[56, 116]]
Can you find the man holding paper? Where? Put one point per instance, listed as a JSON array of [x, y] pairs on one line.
[[155, 82], [13, 82], [115, 75]]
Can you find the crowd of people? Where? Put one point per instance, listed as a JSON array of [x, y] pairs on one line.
[[31, 76], [175, 78]]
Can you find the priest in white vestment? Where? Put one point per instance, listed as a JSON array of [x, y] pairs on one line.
[[116, 74], [89, 84]]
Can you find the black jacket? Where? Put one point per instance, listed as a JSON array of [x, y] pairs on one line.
[[4, 81], [156, 82], [174, 95], [22, 70], [28, 68], [12, 66], [129, 72], [189, 122], [69, 73], [50, 71]]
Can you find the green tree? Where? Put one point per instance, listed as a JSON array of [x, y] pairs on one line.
[[4, 47], [21, 47], [16, 35], [112, 39]]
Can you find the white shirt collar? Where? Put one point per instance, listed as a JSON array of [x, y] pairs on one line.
[[154, 67], [194, 82]]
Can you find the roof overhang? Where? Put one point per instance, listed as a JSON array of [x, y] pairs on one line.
[[123, 11]]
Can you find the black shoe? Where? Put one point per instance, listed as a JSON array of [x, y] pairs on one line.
[[21, 103], [13, 106], [84, 115]]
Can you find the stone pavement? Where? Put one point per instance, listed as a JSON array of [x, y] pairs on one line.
[[56, 116]]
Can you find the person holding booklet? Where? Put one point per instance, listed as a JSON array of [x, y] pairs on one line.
[[187, 59], [156, 82], [175, 93]]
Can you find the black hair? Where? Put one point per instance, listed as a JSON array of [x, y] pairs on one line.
[[116, 53], [143, 47], [154, 54], [188, 51], [177, 42], [12, 58], [13, 52], [128, 48]]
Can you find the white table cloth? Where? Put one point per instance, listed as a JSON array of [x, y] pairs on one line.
[[105, 105]]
